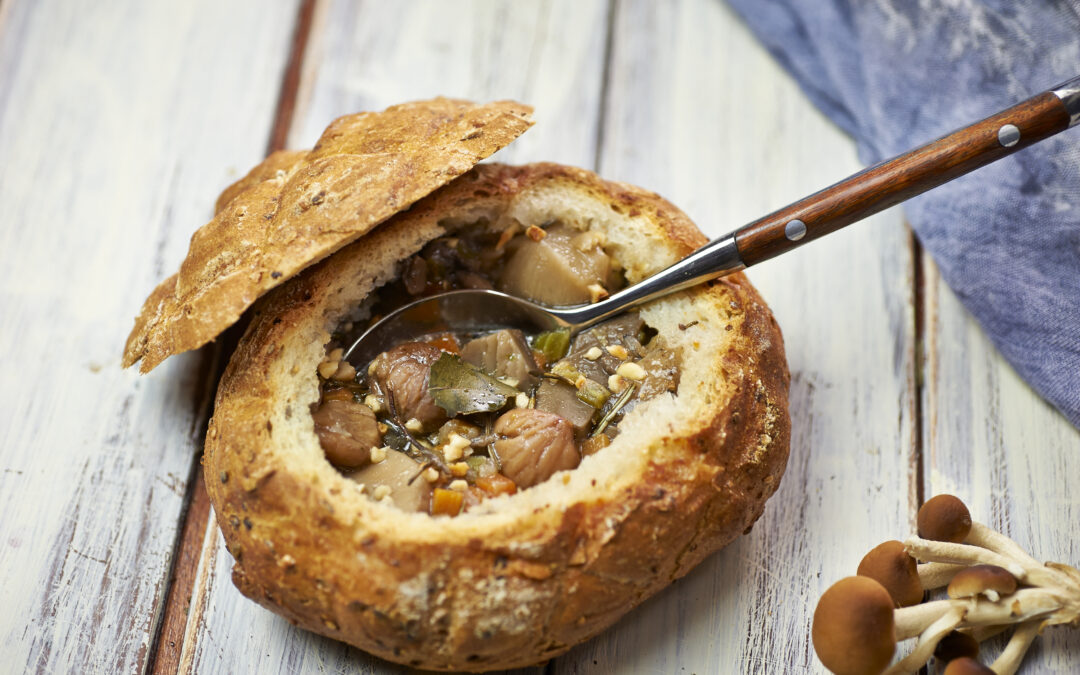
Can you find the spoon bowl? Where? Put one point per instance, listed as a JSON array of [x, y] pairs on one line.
[[478, 310], [466, 311]]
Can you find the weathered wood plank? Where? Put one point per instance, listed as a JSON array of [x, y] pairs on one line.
[[549, 54], [990, 440], [366, 56], [699, 112], [116, 126], [169, 642]]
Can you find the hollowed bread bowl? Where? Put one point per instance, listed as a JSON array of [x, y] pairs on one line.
[[521, 578]]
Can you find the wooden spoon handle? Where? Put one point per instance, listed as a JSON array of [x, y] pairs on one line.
[[910, 174]]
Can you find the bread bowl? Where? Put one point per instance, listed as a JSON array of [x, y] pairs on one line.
[[518, 578]]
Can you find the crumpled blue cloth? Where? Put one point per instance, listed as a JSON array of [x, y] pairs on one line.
[[898, 73]]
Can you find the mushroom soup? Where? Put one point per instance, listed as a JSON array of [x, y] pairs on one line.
[[443, 422]]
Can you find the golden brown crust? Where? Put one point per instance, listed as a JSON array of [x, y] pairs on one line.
[[551, 566], [296, 208], [282, 160]]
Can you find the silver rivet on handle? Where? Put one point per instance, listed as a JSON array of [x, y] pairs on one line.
[[795, 230], [1008, 135]]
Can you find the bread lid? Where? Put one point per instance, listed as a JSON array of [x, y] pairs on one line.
[[298, 207]]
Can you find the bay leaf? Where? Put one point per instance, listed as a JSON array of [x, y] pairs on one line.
[[461, 388]]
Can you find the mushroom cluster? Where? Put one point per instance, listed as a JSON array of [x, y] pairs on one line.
[[992, 585]]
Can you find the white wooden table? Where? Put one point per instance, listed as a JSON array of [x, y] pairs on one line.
[[120, 122]]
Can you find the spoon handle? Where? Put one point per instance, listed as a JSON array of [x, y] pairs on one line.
[[852, 199], [912, 173]]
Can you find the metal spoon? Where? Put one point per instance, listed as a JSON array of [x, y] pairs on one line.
[[852, 199]]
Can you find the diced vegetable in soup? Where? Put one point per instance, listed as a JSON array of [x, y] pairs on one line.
[[441, 423], [402, 374], [347, 431], [561, 268], [505, 354]]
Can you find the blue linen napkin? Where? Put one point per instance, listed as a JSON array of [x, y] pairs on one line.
[[898, 73]]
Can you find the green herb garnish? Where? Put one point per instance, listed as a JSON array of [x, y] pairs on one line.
[[553, 344], [620, 402], [461, 388], [589, 391]]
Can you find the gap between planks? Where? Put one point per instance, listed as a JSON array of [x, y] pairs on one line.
[[193, 517], [290, 84], [168, 643], [916, 484], [605, 85], [918, 366]]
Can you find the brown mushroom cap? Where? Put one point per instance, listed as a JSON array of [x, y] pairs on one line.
[[956, 645], [967, 666], [853, 629], [944, 518], [980, 579], [890, 565]]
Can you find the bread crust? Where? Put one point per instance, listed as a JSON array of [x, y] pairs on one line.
[[528, 576], [295, 208]]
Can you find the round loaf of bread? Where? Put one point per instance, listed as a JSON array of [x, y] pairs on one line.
[[521, 578]]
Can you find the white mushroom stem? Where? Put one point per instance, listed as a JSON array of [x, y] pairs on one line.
[[1070, 573], [1037, 574], [928, 640], [1009, 660], [910, 621], [983, 633], [1025, 604], [937, 575], [947, 552], [1047, 578], [983, 536]]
